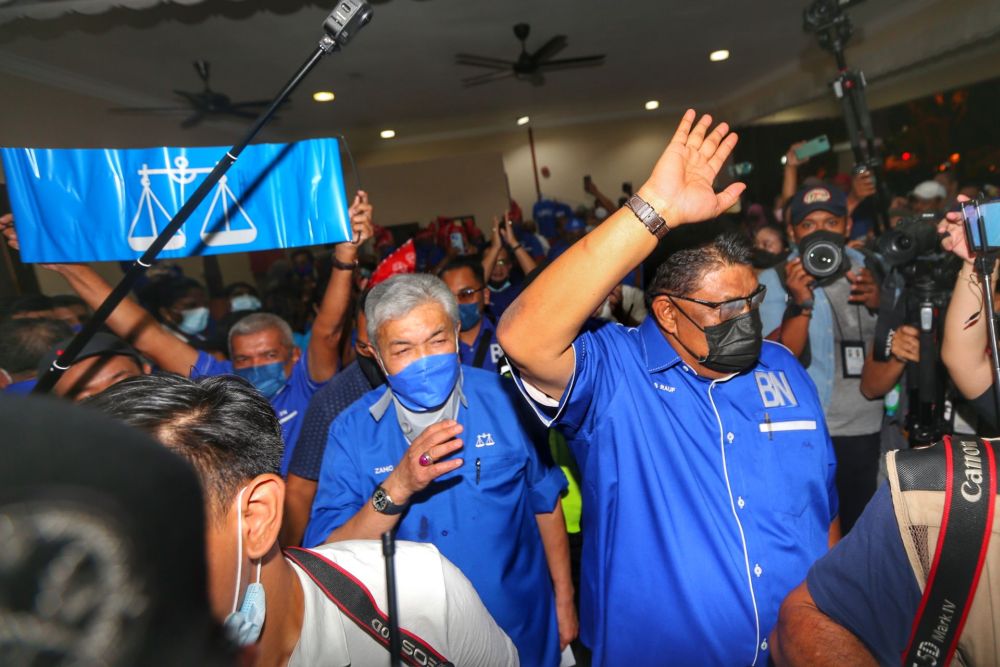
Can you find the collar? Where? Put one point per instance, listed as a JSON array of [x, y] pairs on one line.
[[659, 354], [413, 423]]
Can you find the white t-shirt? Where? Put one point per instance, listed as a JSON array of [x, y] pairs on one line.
[[436, 602]]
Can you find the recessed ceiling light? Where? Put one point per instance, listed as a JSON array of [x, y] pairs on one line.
[[718, 56], [523, 120], [323, 96], [652, 105], [387, 134]]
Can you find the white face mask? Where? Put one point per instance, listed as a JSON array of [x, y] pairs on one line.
[[244, 626], [244, 302]]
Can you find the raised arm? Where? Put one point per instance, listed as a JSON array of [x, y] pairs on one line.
[[517, 250], [538, 329], [790, 180], [965, 343], [493, 249], [129, 320], [331, 319], [878, 377], [601, 198]]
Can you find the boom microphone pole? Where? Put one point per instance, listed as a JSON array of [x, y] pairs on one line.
[[340, 27]]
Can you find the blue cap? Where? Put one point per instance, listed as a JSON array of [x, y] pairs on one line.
[[575, 225], [818, 198]]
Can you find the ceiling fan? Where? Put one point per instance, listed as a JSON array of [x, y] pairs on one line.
[[528, 66], [204, 103]]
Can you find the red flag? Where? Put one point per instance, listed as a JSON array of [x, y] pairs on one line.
[[401, 260]]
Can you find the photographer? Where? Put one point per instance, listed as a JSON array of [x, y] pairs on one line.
[[965, 348], [821, 304]]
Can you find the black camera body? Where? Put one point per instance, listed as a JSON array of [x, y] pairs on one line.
[[909, 239]]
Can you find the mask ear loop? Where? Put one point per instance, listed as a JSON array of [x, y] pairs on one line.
[[239, 549]]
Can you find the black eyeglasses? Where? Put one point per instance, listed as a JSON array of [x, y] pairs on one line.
[[728, 309], [468, 293]]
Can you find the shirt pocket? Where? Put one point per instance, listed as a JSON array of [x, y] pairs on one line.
[[794, 462], [496, 475]]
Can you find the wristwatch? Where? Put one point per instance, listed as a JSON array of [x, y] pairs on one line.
[[343, 266], [648, 216], [793, 309], [382, 503]]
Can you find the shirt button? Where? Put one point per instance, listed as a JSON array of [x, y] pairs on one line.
[[730, 437], [757, 570], [740, 502], [685, 368], [763, 645], [407, 429]]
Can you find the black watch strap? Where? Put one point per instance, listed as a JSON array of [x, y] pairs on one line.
[[382, 503], [648, 216]]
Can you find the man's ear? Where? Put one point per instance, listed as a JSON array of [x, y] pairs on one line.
[[790, 232], [486, 296], [264, 501], [665, 313]]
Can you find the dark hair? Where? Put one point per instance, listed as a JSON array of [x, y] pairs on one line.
[[473, 263], [67, 300], [219, 424], [232, 287], [165, 292], [682, 270], [25, 342], [29, 303]]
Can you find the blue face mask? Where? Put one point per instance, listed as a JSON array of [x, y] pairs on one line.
[[76, 328], [194, 320], [469, 315], [244, 626], [244, 302], [268, 378], [426, 383]]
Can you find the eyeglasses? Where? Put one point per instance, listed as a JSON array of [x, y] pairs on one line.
[[502, 262], [468, 294], [728, 309]]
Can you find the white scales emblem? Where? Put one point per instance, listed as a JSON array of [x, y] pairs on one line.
[[184, 175]]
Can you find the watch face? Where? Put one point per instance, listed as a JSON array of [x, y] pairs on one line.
[[380, 500]]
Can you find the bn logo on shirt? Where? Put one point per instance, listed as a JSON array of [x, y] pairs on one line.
[[775, 391]]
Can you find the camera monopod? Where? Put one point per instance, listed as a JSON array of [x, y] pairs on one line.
[[982, 233], [392, 605], [340, 26]]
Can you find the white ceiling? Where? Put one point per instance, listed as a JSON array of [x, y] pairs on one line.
[[399, 72]]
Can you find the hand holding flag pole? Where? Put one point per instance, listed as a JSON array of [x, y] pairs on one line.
[[340, 26]]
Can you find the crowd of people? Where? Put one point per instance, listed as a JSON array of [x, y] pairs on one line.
[[644, 432]]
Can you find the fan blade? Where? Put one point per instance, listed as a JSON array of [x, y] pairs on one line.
[[254, 103], [192, 120], [486, 78], [493, 66], [241, 114], [549, 49], [567, 63], [150, 109], [481, 61]]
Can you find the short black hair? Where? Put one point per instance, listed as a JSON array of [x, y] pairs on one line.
[[473, 263], [232, 287], [24, 342], [219, 424], [29, 303], [681, 272]]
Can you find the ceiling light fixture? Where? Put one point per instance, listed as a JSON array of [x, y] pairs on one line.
[[523, 120], [718, 56], [323, 96], [652, 105], [387, 134]]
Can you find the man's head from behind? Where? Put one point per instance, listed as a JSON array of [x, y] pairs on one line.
[[229, 433], [705, 299], [263, 351], [103, 361], [25, 342]]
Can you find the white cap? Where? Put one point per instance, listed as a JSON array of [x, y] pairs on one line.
[[929, 190]]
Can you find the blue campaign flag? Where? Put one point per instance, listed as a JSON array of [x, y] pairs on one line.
[[81, 205]]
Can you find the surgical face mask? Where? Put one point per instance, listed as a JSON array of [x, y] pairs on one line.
[[499, 286], [244, 302], [243, 626], [469, 315], [267, 378], [426, 383], [194, 320], [733, 345], [764, 259]]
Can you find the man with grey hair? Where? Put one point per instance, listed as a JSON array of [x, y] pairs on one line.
[[394, 461], [261, 348]]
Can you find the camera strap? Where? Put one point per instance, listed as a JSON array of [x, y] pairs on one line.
[[966, 526], [357, 603]]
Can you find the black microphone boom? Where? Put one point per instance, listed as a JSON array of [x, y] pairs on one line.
[[340, 26]]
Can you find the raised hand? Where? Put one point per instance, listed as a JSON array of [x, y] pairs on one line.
[[360, 213], [954, 227], [424, 461], [680, 187], [507, 230], [864, 290]]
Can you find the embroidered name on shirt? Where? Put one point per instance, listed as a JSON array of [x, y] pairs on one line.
[[665, 387], [381, 470], [775, 390], [485, 440]]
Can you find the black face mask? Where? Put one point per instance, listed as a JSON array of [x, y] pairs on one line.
[[734, 345], [372, 371], [763, 259]]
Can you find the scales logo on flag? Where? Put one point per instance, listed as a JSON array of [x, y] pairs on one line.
[[79, 205]]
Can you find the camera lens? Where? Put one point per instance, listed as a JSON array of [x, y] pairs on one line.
[[822, 259]]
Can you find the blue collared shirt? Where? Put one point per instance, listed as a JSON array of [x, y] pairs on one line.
[[289, 403], [467, 353], [822, 366], [481, 516], [704, 502]]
